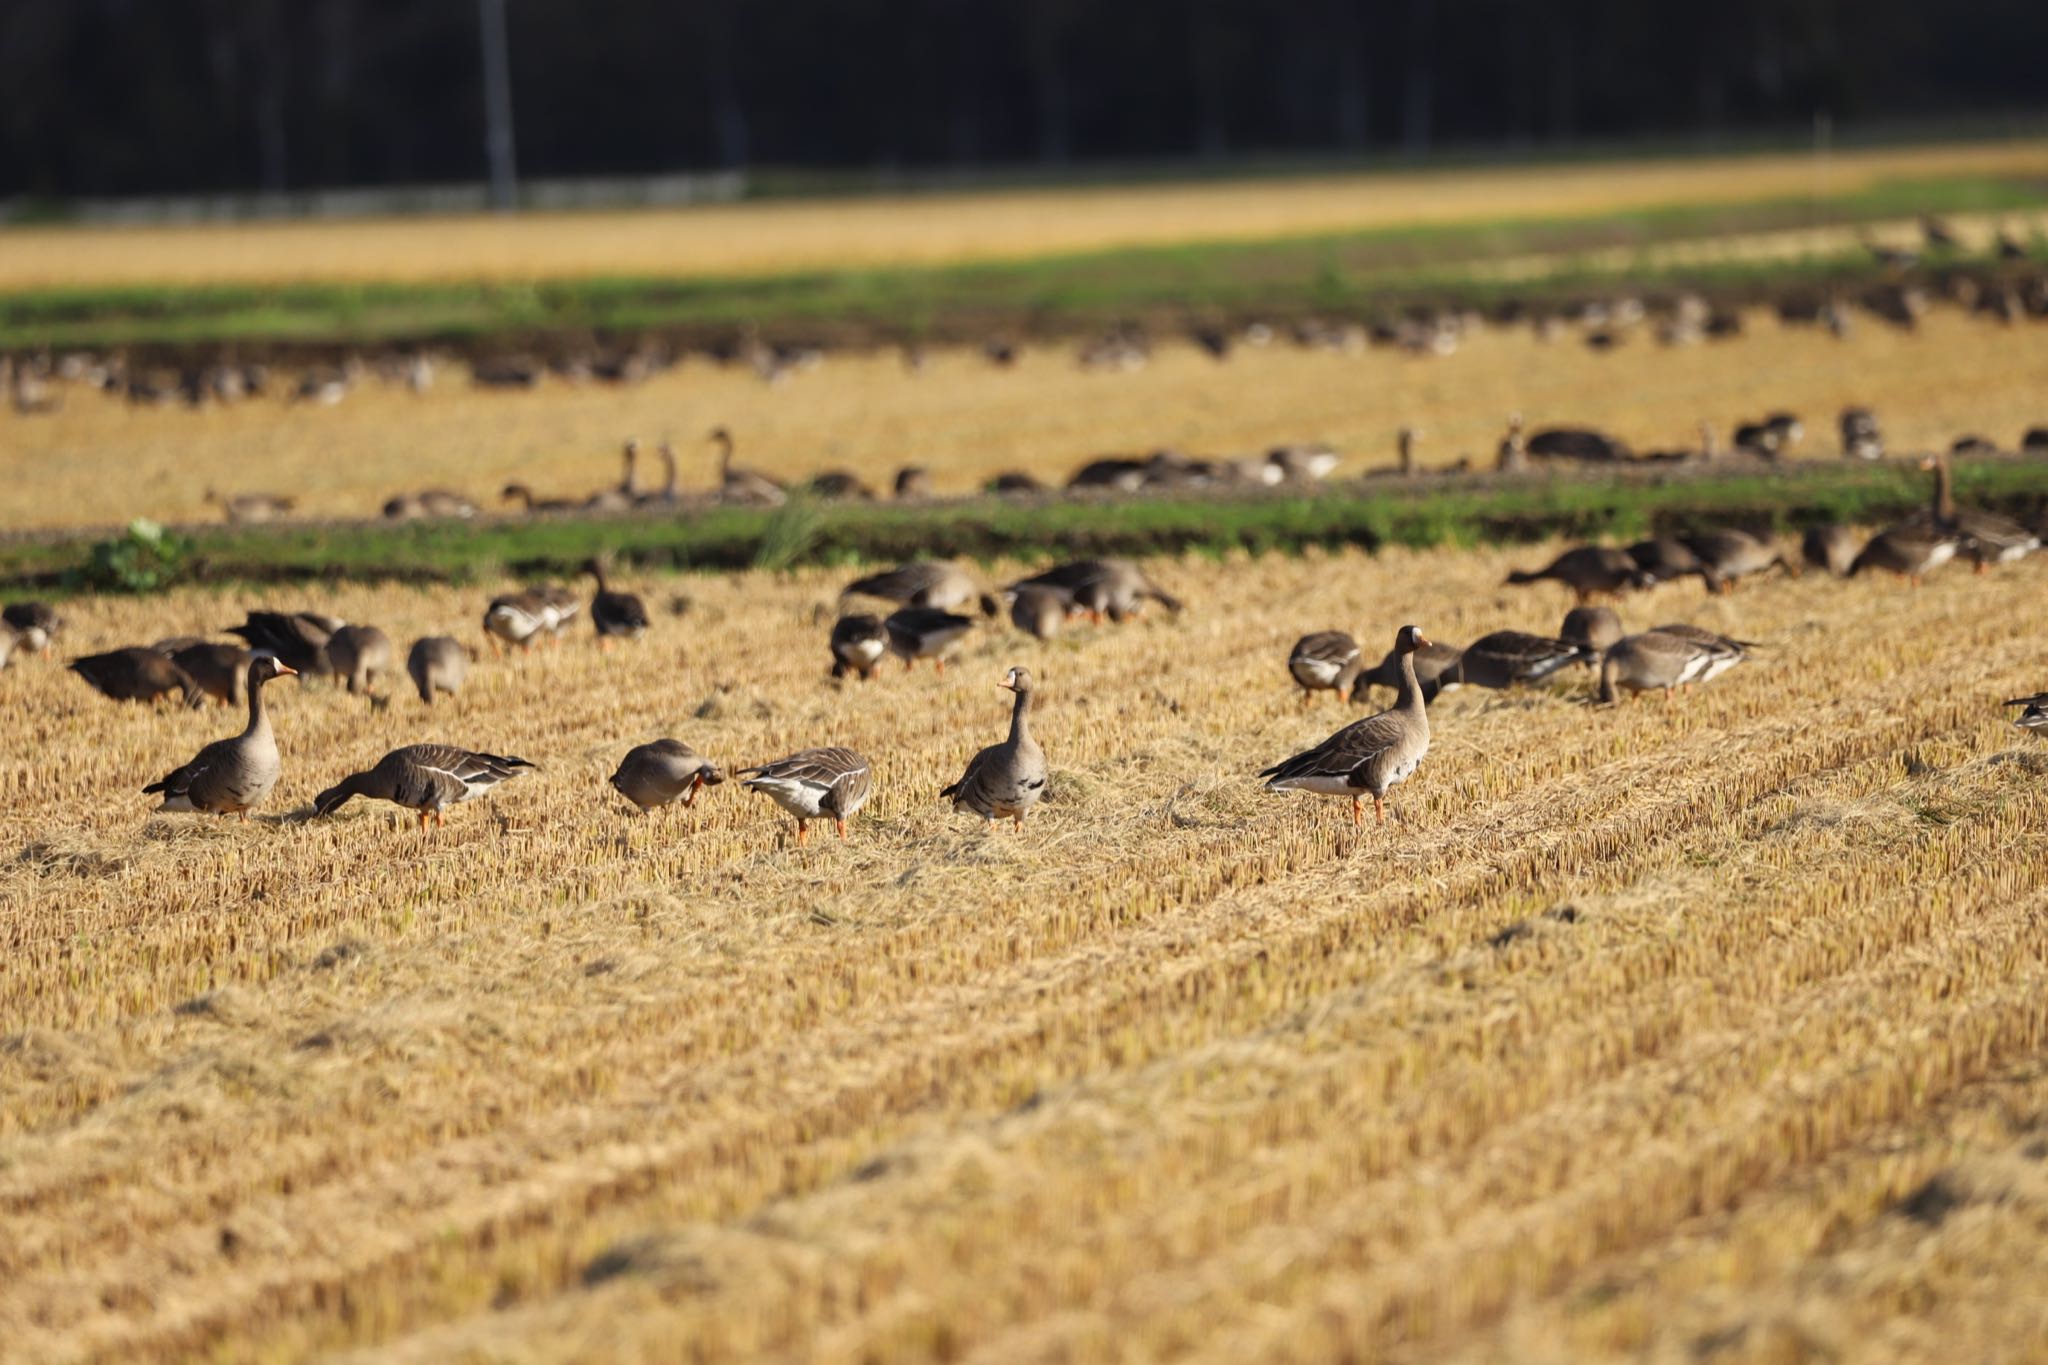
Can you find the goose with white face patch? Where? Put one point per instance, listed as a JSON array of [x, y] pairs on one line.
[[1004, 781], [1368, 757], [231, 776]]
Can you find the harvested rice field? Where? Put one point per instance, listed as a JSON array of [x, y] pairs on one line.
[[1710, 1030], [98, 461]]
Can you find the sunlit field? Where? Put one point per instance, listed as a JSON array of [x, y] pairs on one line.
[[945, 228], [99, 461], [1637, 1027]]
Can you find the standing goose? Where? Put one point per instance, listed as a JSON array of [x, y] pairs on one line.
[[1987, 538], [135, 674], [923, 583], [2035, 715], [1508, 657], [668, 495], [1327, 661], [425, 778], [924, 633], [1004, 780], [517, 618], [814, 784], [562, 606], [616, 615], [1593, 629], [35, 624], [858, 644], [1916, 546], [1589, 571], [1730, 554], [743, 485], [231, 776], [625, 494], [1661, 659], [1370, 756], [1830, 547], [656, 774], [361, 655], [437, 664]]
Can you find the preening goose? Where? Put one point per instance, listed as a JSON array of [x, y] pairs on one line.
[[424, 778], [923, 583], [924, 633], [658, 773], [1663, 659], [1327, 661], [616, 615], [1509, 657], [1589, 571], [35, 624], [858, 644], [743, 485], [437, 664], [135, 674], [1004, 781], [1367, 757], [814, 784], [231, 776]]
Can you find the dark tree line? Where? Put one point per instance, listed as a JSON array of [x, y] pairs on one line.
[[126, 96]]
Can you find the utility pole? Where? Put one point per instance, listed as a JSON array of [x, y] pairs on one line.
[[498, 106]]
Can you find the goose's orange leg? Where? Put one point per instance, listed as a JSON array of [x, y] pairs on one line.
[[803, 832], [1357, 812], [1379, 809], [841, 826]]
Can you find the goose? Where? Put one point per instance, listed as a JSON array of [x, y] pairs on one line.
[[2035, 715], [1435, 665], [743, 485], [1370, 756], [216, 670], [527, 498], [616, 615], [135, 674], [1118, 473], [840, 483], [231, 776], [1004, 780], [1986, 537], [624, 495], [858, 644], [912, 481], [424, 778], [1728, 651], [1097, 587], [814, 784], [360, 655], [1914, 547], [1728, 555], [1576, 443], [298, 638], [1593, 629], [1303, 463], [1038, 612], [36, 623], [1662, 659], [924, 633], [437, 664], [923, 583], [1862, 437], [1508, 657], [1665, 558], [562, 606], [517, 618], [657, 774], [251, 509], [1830, 547], [1015, 481], [668, 495], [1589, 571], [443, 502], [1326, 661]]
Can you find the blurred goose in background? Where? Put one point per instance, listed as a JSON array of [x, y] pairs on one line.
[[1593, 629], [814, 784], [35, 624], [616, 615], [217, 670], [1004, 781], [1660, 659], [425, 779], [1327, 661], [251, 509], [1665, 558], [1728, 555], [923, 583], [924, 633], [1831, 548], [533, 503], [670, 493], [1038, 612], [231, 776], [1916, 546], [1986, 537], [299, 638], [1507, 658], [657, 774], [1435, 665], [1115, 588], [1367, 757], [437, 664], [1589, 571], [361, 655], [736, 484], [625, 493], [135, 674], [2034, 715], [517, 618], [1727, 651], [858, 644]]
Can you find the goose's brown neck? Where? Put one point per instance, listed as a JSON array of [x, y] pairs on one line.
[[1020, 715], [1410, 698], [1944, 490], [259, 718]]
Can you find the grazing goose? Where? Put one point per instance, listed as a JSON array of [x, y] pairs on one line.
[[1728, 652], [924, 633], [858, 644], [444, 502], [1665, 558], [1508, 657], [517, 618], [426, 778], [2035, 716], [135, 674], [437, 664], [923, 583], [1661, 659], [360, 655], [656, 774], [1004, 780], [1593, 629], [1830, 547], [1435, 665], [216, 670], [1038, 612], [298, 638], [1914, 547], [525, 496], [231, 776], [1097, 587], [839, 483], [1327, 661], [743, 485], [1370, 756], [35, 624], [1590, 571], [251, 509], [1728, 555], [1987, 538], [616, 615], [814, 784]]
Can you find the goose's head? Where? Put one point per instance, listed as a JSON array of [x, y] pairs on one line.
[[1016, 680], [1409, 639]]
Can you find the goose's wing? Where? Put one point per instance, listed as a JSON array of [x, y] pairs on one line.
[[1342, 753], [457, 774], [177, 785]]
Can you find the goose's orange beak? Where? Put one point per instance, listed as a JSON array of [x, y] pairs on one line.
[[286, 670]]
